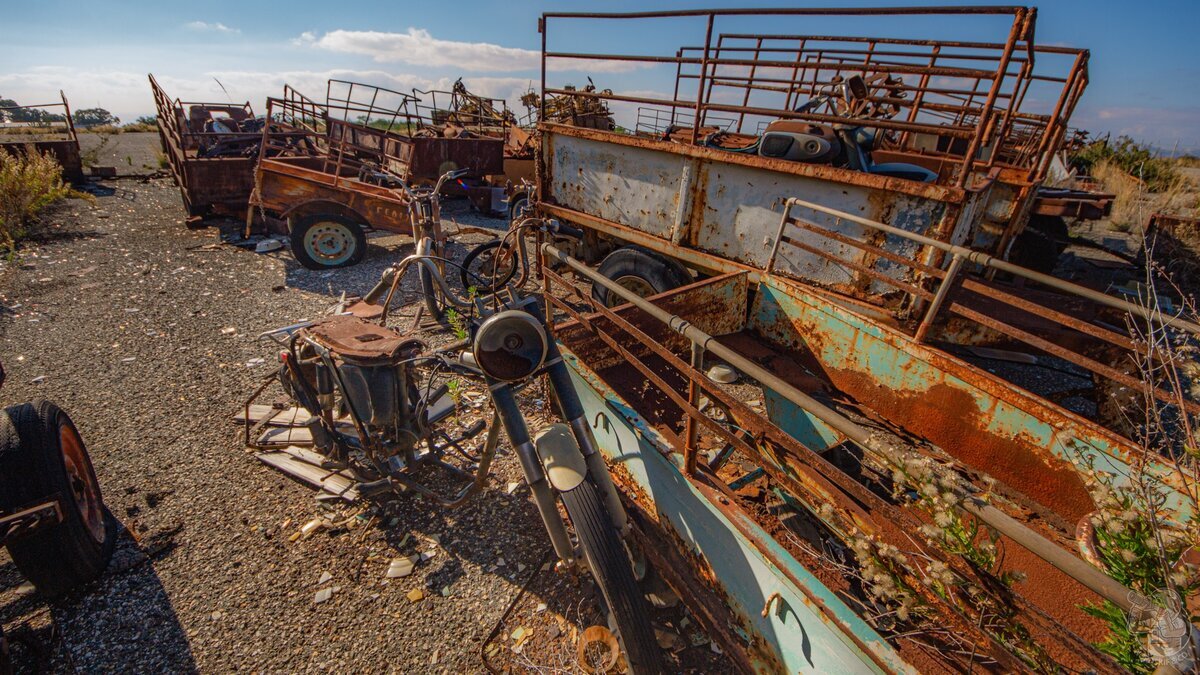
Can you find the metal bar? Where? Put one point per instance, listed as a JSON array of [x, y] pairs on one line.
[[789, 11], [936, 304], [985, 260], [826, 65], [700, 88], [691, 429]]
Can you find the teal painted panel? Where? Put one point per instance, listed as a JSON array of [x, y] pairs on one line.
[[801, 636]]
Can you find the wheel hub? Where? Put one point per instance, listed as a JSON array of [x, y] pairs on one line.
[[329, 242], [82, 482]]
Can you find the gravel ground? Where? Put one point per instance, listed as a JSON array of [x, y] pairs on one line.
[[131, 153], [122, 316]]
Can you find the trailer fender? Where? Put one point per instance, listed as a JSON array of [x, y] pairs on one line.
[[322, 206], [565, 465]]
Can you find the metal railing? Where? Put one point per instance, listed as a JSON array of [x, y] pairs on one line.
[[953, 277], [972, 97], [810, 473], [44, 129]]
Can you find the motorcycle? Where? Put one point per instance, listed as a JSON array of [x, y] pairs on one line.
[[380, 401]]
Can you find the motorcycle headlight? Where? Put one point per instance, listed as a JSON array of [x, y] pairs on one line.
[[510, 345]]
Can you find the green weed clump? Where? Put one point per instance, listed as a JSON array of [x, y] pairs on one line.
[[1158, 174], [29, 182]]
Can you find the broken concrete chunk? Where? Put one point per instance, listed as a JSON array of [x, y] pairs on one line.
[[325, 576], [323, 595]]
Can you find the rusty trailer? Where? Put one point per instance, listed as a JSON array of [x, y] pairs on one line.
[[211, 149], [954, 146], [48, 128], [792, 510]]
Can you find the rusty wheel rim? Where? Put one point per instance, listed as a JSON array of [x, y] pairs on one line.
[[330, 243], [82, 481], [638, 285], [496, 265]]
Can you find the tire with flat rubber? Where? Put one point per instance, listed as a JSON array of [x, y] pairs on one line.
[[640, 270], [43, 456], [610, 566], [325, 241]]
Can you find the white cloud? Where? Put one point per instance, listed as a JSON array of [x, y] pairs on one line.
[[127, 94], [215, 26], [417, 46]]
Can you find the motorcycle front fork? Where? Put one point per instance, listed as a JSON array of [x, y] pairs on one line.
[[571, 410]]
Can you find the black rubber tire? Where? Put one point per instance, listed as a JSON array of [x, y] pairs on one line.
[[60, 557], [431, 293], [306, 259], [1041, 243], [610, 566], [657, 271], [521, 203], [498, 281]]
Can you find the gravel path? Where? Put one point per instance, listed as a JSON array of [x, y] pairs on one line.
[[123, 317]]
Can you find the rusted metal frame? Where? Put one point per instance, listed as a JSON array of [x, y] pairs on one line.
[[985, 260], [982, 288], [707, 94], [1049, 49], [997, 82], [956, 132], [699, 111], [750, 83], [858, 267], [1068, 355], [793, 11], [1019, 88], [1058, 119], [916, 265], [951, 107], [881, 446], [967, 282], [831, 483], [796, 72], [920, 95], [943, 290], [825, 65], [845, 51]]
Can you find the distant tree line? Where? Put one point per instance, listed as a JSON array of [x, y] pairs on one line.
[[85, 117]]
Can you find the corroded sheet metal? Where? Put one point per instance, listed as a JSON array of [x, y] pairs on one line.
[[1021, 439], [812, 632], [286, 187], [728, 209]]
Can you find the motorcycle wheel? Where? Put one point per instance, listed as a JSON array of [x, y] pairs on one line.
[[430, 291], [610, 566], [490, 265]]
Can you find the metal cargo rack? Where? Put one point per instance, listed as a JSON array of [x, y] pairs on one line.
[[845, 402], [211, 149], [972, 113], [56, 137]]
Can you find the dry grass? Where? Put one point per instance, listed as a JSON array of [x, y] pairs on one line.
[[1134, 204], [29, 182]]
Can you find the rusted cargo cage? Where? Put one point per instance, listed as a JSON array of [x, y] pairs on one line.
[[843, 299], [332, 156], [762, 502], [211, 149], [459, 113], [48, 128], [977, 122]]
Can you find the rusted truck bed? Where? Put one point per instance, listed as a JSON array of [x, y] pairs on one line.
[[752, 532], [54, 134]]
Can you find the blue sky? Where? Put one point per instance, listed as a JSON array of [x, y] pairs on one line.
[[1142, 83]]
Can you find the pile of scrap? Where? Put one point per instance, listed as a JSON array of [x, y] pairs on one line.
[[575, 107]]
